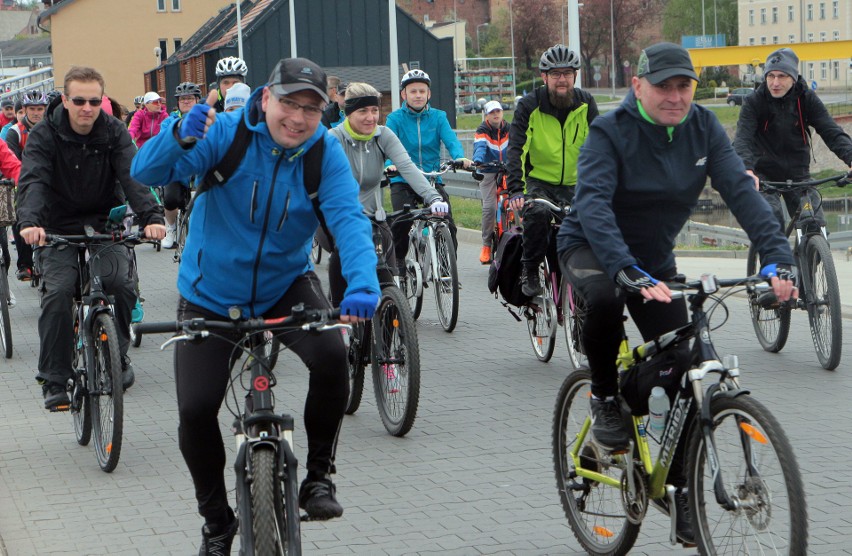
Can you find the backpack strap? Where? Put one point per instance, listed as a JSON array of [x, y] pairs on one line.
[[226, 167], [312, 176]]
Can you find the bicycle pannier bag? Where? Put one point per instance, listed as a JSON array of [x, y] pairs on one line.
[[7, 206], [664, 369], [504, 275]]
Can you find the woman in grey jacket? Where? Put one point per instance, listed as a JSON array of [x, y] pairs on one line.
[[367, 146]]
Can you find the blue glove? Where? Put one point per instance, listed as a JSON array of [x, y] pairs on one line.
[[782, 270], [192, 125], [359, 304], [633, 279], [513, 198]]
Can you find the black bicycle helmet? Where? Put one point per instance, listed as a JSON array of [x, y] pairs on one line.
[[559, 56], [187, 88], [415, 76]]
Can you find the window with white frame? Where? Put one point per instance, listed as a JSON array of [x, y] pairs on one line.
[[791, 38], [822, 10], [822, 36], [763, 16], [775, 15], [810, 37], [175, 5], [751, 17], [836, 70], [762, 40], [791, 13], [823, 70], [751, 41], [811, 71], [810, 12], [835, 9], [774, 39], [836, 36], [161, 5]]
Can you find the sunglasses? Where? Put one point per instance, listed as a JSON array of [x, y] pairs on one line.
[[80, 101]]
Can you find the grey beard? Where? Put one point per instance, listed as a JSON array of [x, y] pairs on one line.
[[561, 102]]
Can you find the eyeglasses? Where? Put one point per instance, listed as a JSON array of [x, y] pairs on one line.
[[80, 101], [311, 112], [560, 74], [187, 99]]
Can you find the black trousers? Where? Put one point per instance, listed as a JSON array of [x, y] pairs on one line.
[[401, 195], [605, 303], [791, 199], [59, 282], [25, 251], [175, 196], [537, 219], [202, 376]]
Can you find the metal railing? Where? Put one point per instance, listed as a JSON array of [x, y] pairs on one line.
[[41, 79]]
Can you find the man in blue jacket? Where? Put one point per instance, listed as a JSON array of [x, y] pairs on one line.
[[266, 205], [422, 129], [640, 173]]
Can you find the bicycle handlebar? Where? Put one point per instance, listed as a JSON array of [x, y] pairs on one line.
[[553, 207], [7, 182], [82, 240], [445, 167], [771, 186]]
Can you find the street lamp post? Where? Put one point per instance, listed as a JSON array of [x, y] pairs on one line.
[[478, 41], [512, 38], [612, 47]]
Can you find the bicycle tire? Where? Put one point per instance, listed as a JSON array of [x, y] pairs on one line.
[[357, 364], [269, 524], [6, 324], [180, 235], [106, 393], [541, 318], [595, 512], [81, 408], [271, 348], [447, 281], [135, 339], [738, 423], [824, 303], [573, 315], [771, 326], [414, 278], [395, 362], [316, 250]]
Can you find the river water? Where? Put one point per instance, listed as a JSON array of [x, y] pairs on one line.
[[838, 213]]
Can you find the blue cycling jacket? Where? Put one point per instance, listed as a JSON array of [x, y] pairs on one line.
[[421, 134], [250, 238]]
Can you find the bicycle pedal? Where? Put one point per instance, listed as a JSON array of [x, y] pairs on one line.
[[60, 408]]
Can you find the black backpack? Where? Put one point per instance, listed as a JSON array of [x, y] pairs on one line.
[[504, 275], [311, 170]]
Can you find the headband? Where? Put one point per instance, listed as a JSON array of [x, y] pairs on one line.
[[353, 104]]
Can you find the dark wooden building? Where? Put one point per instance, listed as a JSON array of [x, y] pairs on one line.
[[350, 38]]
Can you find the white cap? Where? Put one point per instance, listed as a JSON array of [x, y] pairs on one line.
[[491, 106], [150, 96], [237, 96]]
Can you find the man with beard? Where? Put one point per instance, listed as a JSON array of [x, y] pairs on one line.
[[549, 127]]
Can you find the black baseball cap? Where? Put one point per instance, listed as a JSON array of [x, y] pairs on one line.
[[292, 75], [663, 60]]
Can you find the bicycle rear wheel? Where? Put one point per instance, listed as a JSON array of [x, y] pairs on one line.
[[772, 326], [447, 280], [595, 511], [759, 472], [824, 303], [396, 362], [268, 508], [541, 317], [106, 392], [413, 280], [573, 316], [81, 407], [357, 362], [5, 322]]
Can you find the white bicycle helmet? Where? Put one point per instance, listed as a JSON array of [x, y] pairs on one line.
[[415, 76], [137, 100], [559, 56], [231, 66], [34, 98]]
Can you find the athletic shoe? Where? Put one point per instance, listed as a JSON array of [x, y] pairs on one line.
[[317, 498], [168, 242], [55, 396], [127, 376], [607, 425], [217, 540], [485, 255]]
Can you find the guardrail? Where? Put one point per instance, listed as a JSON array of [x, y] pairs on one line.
[[41, 79]]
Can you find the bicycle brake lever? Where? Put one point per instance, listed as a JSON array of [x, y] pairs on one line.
[[184, 337]]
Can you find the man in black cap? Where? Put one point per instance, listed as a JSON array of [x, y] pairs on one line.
[[640, 173], [266, 205], [773, 132]]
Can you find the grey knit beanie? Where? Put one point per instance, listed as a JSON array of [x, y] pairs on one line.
[[784, 60]]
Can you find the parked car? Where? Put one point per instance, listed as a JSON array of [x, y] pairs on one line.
[[476, 107], [737, 96]]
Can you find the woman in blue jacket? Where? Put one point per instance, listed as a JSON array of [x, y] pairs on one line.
[[248, 247]]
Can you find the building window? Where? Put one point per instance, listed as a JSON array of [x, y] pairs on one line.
[[775, 39], [175, 5], [837, 35], [810, 12], [762, 40], [163, 54], [763, 16], [751, 41], [161, 5], [810, 37], [791, 13], [822, 36], [822, 10], [836, 66], [811, 71], [835, 9], [791, 38], [775, 15], [751, 17], [823, 71], [178, 42]]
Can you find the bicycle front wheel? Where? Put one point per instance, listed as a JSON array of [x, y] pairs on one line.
[[81, 407], [106, 392], [5, 322], [412, 283], [447, 280], [824, 303], [573, 316], [180, 235], [595, 511], [396, 362], [758, 471], [356, 361], [316, 250], [271, 348], [541, 318], [772, 326], [269, 520]]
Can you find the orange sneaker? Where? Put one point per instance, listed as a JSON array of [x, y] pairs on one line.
[[485, 255]]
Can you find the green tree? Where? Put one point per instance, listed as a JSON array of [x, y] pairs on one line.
[[536, 24], [684, 17]]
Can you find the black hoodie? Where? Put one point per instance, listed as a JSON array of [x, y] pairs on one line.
[[70, 180]]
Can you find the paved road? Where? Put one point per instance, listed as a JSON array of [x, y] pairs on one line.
[[474, 476]]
